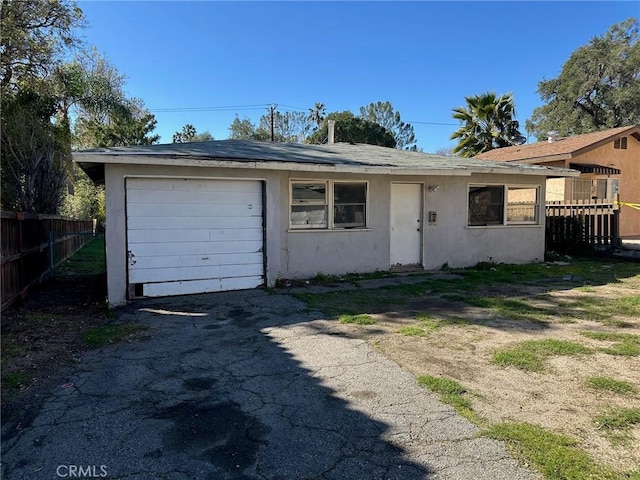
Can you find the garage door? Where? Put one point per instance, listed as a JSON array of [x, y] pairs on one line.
[[193, 236]]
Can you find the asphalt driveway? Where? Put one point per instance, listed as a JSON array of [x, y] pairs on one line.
[[246, 385]]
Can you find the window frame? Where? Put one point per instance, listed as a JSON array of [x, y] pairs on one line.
[[536, 220], [330, 205], [505, 204]]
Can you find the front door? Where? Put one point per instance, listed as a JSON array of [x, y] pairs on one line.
[[406, 224]]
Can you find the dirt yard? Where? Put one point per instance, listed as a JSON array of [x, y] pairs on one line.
[[457, 335], [42, 336]]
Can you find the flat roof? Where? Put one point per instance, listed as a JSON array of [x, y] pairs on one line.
[[338, 157]]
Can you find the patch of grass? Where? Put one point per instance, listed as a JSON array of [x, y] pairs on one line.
[[322, 279], [101, 336], [531, 355], [362, 300], [361, 319], [512, 308], [11, 351], [89, 260], [428, 324], [413, 331], [16, 379], [556, 456], [609, 384], [452, 393], [626, 344], [618, 419], [38, 317]]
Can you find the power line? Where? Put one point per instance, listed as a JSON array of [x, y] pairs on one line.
[[265, 106]]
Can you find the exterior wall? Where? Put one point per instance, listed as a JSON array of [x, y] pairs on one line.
[[303, 254], [452, 242], [116, 216], [628, 161]]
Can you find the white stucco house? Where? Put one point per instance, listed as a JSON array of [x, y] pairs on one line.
[[225, 215]]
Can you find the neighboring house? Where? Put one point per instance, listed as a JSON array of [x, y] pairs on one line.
[[232, 214], [609, 162]]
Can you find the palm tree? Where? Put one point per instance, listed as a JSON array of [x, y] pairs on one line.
[[317, 113], [488, 123]]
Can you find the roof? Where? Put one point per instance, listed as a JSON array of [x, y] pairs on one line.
[[339, 157], [565, 148]]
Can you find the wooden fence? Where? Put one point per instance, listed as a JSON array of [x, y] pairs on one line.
[[32, 245], [578, 225]]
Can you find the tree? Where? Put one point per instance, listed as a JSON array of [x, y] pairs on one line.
[[189, 134], [352, 129], [241, 129], [33, 170], [130, 125], [445, 152], [488, 123], [383, 114], [597, 89], [317, 114], [34, 35], [288, 127]]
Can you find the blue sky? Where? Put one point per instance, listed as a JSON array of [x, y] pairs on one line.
[[423, 57]]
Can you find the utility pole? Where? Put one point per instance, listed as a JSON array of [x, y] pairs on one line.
[[272, 110]]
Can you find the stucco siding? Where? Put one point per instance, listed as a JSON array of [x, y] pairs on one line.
[[292, 253], [451, 241], [628, 161]]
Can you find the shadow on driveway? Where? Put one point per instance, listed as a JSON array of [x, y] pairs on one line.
[[246, 385]]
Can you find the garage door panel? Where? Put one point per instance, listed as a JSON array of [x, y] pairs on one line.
[[192, 236], [191, 184], [208, 211], [198, 248], [195, 235], [201, 286], [186, 197], [152, 275], [184, 223], [176, 261]]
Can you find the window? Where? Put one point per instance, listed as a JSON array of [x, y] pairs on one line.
[[349, 205], [328, 205], [504, 205], [486, 205], [522, 205], [309, 205], [620, 143]]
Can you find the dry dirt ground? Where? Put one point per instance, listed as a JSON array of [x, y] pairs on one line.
[[557, 398], [42, 336]]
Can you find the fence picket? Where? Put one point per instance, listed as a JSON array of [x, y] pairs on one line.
[[594, 224], [25, 248]]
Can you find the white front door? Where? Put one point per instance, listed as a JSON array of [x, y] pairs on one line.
[[406, 224]]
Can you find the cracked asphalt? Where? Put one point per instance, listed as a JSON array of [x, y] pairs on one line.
[[246, 385]]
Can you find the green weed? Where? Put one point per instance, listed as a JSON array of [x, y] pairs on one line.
[[609, 384], [531, 355], [452, 393], [89, 260], [619, 419], [16, 379], [361, 319], [556, 456], [100, 336]]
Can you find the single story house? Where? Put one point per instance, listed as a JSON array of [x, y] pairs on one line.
[[224, 215], [608, 162]]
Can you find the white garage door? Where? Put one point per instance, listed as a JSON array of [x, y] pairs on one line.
[[193, 236]]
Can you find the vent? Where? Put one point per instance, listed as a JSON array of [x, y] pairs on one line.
[[620, 143]]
